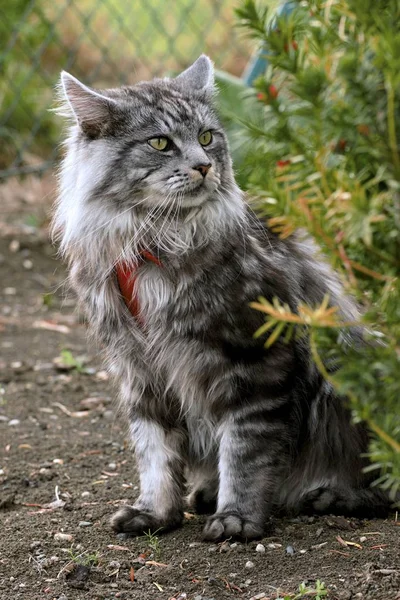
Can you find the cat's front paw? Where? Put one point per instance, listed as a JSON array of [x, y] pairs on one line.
[[135, 521], [225, 525]]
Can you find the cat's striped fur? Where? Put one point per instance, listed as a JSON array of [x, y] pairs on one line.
[[250, 429]]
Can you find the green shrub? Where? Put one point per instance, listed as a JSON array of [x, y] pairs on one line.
[[321, 152]]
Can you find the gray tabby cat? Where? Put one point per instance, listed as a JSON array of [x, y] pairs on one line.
[[165, 258]]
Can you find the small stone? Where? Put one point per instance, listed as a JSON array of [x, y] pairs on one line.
[[63, 537], [16, 364], [248, 582], [85, 494], [260, 548], [289, 550], [10, 291], [303, 551], [85, 523], [212, 549], [319, 532], [112, 467], [363, 538], [108, 414], [249, 565], [14, 246], [234, 545], [274, 546], [102, 375], [62, 597], [46, 465], [198, 598], [258, 596], [194, 544], [27, 264], [14, 422], [35, 544], [122, 536]]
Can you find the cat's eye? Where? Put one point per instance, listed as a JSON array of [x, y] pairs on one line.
[[159, 143], [205, 138]]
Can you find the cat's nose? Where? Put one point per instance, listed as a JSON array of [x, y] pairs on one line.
[[203, 169]]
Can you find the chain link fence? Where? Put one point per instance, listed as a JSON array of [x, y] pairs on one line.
[[103, 42]]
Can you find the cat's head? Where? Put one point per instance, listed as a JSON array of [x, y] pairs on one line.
[[155, 144]]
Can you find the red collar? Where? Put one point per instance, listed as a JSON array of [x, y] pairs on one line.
[[127, 275]]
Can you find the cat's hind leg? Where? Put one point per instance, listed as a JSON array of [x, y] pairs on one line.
[[334, 463], [364, 503], [328, 474]]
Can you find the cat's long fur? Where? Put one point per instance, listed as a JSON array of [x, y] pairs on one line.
[[250, 428]]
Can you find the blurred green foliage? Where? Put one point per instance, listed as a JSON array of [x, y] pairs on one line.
[[107, 42], [25, 90]]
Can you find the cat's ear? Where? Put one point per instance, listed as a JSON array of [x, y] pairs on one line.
[[200, 75], [91, 110]]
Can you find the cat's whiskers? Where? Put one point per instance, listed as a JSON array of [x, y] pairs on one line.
[[146, 227], [255, 220], [124, 255], [167, 221], [175, 242], [242, 233], [136, 241]]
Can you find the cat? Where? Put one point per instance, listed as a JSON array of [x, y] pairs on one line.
[[165, 257]]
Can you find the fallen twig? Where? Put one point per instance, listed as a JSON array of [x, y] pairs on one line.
[[338, 552], [77, 414], [347, 543]]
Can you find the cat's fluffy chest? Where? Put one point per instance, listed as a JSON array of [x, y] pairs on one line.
[[154, 291], [179, 301], [174, 312]]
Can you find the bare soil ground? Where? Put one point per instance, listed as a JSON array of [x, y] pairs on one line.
[[66, 465]]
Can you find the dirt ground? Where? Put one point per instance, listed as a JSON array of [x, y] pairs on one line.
[[65, 466]]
